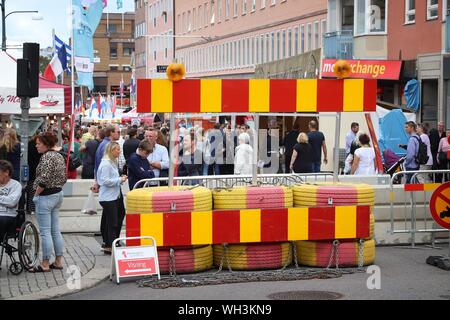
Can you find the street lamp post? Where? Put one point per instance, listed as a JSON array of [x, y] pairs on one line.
[[6, 16]]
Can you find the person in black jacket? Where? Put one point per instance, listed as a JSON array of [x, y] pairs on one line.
[[89, 150], [138, 166], [289, 143], [302, 156], [131, 144]]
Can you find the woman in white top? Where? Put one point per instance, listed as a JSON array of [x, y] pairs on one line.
[[423, 134], [364, 162]]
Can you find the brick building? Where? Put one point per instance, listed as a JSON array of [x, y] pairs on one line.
[[113, 47]]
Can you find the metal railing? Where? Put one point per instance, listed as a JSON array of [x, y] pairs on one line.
[[338, 45], [424, 176], [230, 181]]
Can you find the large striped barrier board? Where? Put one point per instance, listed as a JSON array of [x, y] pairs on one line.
[[256, 95], [250, 226]]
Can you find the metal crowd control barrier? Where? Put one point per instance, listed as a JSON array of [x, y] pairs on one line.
[[421, 181], [229, 181]]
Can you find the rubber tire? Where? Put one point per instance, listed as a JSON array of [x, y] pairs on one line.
[[187, 259], [28, 265], [262, 256], [317, 253]]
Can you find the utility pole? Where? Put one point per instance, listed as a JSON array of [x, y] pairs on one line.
[[3, 26]]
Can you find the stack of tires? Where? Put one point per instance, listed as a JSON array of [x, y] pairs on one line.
[[253, 256], [177, 199], [345, 253]]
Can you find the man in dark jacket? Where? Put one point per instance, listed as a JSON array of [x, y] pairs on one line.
[[138, 166], [131, 144]]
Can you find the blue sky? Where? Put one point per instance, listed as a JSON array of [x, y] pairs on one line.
[[21, 28]]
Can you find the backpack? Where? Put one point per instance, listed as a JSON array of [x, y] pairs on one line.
[[74, 162], [422, 154]]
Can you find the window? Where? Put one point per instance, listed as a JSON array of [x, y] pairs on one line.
[[309, 37], [114, 67], [432, 9], [236, 8], [113, 51], [184, 28], [112, 28], [278, 52], [267, 47], [273, 2], [323, 30], [248, 51], [194, 19], [283, 45], [235, 53], [206, 15], [126, 68], [200, 19], [316, 35], [189, 29], [227, 9], [127, 51], [263, 4], [289, 43], [219, 10], [302, 39], [370, 16], [244, 7], [253, 5], [296, 41], [213, 12], [272, 49], [257, 56], [239, 50]]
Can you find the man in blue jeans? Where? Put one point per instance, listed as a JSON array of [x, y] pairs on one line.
[[412, 150], [317, 142]]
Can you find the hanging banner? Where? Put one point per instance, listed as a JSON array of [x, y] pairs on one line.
[[366, 69]]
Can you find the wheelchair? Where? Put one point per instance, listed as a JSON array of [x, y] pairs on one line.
[[25, 237]]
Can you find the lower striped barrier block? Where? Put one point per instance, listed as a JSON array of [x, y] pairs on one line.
[[250, 226]]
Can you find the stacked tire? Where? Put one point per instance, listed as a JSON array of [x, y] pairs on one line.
[[253, 256], [257, 256], [348, 252], [239, 198], [177, 199], [163, 199]]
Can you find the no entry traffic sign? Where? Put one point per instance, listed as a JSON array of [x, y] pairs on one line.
[[440, 205]]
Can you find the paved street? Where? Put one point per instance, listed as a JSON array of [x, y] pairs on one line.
[[80, 251], [404, 276]]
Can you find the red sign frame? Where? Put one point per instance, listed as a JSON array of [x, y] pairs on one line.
[[434, 212]]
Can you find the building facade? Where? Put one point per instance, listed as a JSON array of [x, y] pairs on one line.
[[114, 49], [154, 37], [229, 38], [413, 33]]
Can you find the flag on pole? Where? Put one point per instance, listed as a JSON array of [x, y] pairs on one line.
[[93, 106], [102, 106], [132, 84], [57, 65], [114, 106], [119, 4], [59, 44], [122, 87], [88, 14]]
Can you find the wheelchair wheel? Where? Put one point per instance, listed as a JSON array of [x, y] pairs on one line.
[[28, 245], [16, 268]]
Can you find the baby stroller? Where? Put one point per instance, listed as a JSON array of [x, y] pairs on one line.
[[392, 164]]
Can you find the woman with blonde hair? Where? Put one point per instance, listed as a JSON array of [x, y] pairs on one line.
[[10, 148], [110, 183], [302, 156]]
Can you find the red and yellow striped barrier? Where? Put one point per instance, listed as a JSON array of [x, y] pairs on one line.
[[247, 226], [422, 187], [256, 95], [186, 260]]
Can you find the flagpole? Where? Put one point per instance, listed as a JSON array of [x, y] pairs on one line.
[[72, 122]]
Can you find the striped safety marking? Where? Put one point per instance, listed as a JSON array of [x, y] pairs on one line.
[[422, 187], [256, 95], [250, 226]]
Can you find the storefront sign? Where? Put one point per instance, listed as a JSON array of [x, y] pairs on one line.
[[366, 69]]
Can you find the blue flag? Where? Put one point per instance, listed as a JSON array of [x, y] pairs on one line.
[[62, 56], [86, 21], [119, 4]]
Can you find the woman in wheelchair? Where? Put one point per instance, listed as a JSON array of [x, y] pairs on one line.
[[10, 193]]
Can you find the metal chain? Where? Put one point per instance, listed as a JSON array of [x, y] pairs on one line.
[[221, 261], [225, 245], [361, 255], [334, 254], [288, 261], [294, 246], [172, 263]]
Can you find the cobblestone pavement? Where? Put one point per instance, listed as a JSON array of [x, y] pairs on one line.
[[76, 253]]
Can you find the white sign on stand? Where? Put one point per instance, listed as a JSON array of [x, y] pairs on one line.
[[134, 261]]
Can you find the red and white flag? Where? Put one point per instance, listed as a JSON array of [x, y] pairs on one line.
[[54, 69]]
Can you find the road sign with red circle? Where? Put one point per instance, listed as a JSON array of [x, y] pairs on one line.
[[440, 205]]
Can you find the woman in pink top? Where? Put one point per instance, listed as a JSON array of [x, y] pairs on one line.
[[444, 147]]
